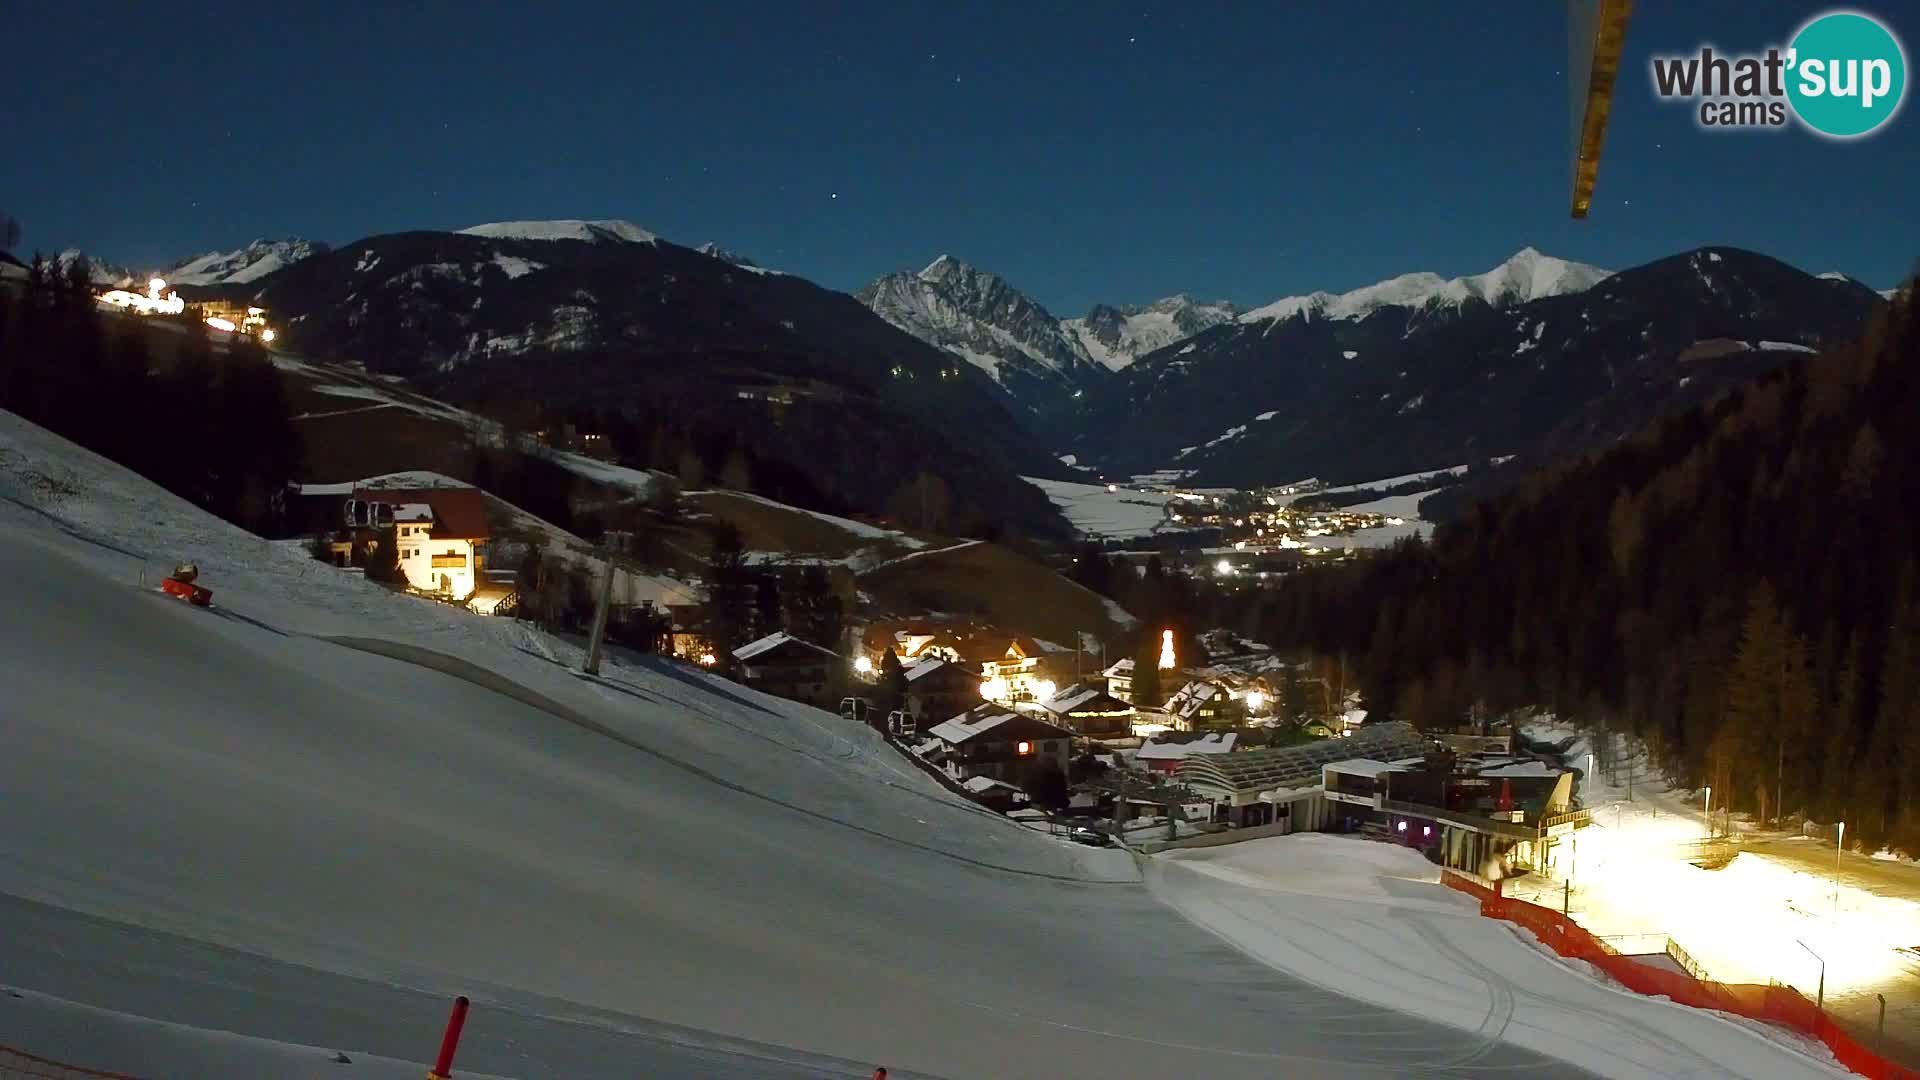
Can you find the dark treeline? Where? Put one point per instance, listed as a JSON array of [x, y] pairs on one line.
[[210, 426], [1736, 585]]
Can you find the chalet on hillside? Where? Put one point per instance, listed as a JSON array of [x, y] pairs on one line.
[[1120, 679], [785, 666], [938, 690], [1087, 710], [441, 534], [1001, 744], [1204, 704]]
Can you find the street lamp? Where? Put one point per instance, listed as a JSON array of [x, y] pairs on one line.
[[1706, 812], [1589, 778], [1839, 845]]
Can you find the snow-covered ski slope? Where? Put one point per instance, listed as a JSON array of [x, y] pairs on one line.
[[223, 819], [1369, 920]]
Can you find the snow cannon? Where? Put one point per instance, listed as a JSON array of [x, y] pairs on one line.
[[181, 584]]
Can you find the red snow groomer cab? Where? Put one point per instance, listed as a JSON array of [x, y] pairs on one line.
[[180, 583]]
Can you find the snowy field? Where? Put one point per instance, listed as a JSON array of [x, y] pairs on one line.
[[1116, 515], [1369, 920], [1774, 913], [228, 819]]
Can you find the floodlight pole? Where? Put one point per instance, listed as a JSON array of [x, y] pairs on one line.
[[1839, 845]]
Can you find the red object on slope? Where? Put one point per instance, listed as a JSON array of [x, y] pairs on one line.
[[197, 595]]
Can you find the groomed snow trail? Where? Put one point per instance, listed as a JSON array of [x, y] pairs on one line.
[[1369, 920], [201, 804]]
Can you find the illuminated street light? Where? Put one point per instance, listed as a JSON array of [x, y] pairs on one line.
[[1706, 811], [1255, 699], [863, 665], [994, 689], [1043, 690], [1839, 845]]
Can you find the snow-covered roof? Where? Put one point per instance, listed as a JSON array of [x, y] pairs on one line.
[[916, 670], [774, 641], [1120, 669], [1214, 743], [981, 785], [1364, 767], [1081, 695], [413, 512], [1524, 768], [1192, 696], [1001, 723]]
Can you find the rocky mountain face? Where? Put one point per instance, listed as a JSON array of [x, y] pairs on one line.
[[1536, 358], [605, 315], [979, 317], [1116, 336], [105, 275], [247, 264]]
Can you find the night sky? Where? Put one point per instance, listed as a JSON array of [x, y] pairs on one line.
[[1088, 152]]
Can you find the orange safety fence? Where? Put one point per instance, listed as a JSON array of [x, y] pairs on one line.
[[18, 1065], [1771, 1004]]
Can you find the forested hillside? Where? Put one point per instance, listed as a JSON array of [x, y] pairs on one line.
[[1736, 584], [208, 421]]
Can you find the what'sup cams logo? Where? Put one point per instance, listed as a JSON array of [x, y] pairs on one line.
[[1842, 76]]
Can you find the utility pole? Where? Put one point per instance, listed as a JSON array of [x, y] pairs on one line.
[[592, 666]]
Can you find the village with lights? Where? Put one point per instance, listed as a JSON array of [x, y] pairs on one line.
[[160, 299]]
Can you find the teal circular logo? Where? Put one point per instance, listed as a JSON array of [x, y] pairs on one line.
[[1847, 74]]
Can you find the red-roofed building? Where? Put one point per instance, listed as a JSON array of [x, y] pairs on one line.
[[441, 533]]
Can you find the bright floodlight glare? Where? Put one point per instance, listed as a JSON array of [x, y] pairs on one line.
[[1255, 699], [863, 665], [1043, 690]]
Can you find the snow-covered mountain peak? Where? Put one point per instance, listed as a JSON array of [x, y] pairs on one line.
[[250, 263], [944, 267], [101, 273], [610, 230], [978, 316], [1118, 335], [1528, 275]]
